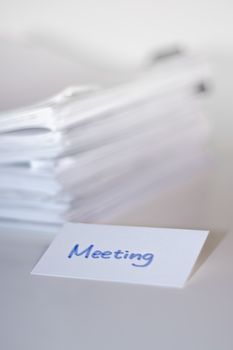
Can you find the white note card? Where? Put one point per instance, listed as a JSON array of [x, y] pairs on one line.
[[142, 255]]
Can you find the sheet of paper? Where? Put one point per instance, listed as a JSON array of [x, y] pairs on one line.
[[152, 256]]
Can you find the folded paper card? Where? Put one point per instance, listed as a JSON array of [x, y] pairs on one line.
[[143, 255]]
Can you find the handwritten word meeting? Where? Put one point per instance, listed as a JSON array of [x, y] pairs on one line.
[[136, 259]]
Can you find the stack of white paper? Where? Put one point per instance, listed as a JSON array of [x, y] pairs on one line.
[[88, 153]]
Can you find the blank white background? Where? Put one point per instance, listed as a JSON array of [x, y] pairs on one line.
[[123, 31]]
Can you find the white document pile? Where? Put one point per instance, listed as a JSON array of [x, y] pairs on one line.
[[88, 153]]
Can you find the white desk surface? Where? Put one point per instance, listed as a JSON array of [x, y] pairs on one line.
[[53, 313], [56, 313]]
